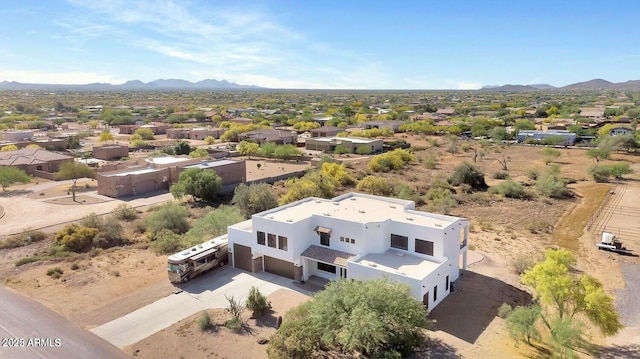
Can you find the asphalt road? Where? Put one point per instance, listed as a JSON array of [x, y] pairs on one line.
[[30, 330]]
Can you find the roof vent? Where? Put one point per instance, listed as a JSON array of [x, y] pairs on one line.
[[373, 265], [317, 201], [409, 218], [438, 225], [352, 198], [336, 203], [289, 220], [392, 206], [327, 214], [361, 211], [400, 254]]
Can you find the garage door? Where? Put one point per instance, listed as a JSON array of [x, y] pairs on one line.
[[242, 257], [278, 266]]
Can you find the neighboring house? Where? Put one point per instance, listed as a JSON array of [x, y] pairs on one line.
[[196, 133], [620, 131], [326, 131], [17, 136], [160, 172], [570, 137], [328, 144], [110, 152], [592, 112], [448, 111], [355, 236], [36, 162], [393, 125], [279, 137]]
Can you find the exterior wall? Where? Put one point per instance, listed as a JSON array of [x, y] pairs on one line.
[[133, 184], [16, 135], [328, 146], [231, 173], [108, 153], [44, 170], [177, 133], [127, 129]]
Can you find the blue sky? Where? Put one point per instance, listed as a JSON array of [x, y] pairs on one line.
[[428, 44]]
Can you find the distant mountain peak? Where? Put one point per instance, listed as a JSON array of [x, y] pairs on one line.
[[160, 84]]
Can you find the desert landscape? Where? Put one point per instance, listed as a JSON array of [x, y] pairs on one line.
[[101, 286]]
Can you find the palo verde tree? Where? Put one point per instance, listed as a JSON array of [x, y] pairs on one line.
[[254, 198], [10, 175], [374, 318], [199, 183], [74, 171], [567, 298]]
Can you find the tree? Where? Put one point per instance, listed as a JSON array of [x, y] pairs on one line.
[[286, 151], [170, 216], [105, 136], [551, 185], [566, 295], [521, 323], [182, 148], [338, 172], [313, 184], [74, 171], [145, 133], [599, 154], [199, 183], [341, 149], [363, 149], [199, 153], [75, 238], [9, 148], [213, 224], [468, 174], [373, 318], [246, 148], [549, 154], [209, 140], [257, 302], [10, 175], [268, 149], [254, 198]]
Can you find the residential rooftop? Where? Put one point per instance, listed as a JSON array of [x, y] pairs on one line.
[[357, 207], [210, 164], [164, 160], [396, 262], [350, 139]]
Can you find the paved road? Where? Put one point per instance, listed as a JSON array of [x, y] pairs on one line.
[[207, 291], [30, 330]]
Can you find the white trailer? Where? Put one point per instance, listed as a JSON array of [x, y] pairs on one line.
[[198, 259], [609, 242]]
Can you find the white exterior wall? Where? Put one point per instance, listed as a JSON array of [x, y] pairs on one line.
[[364, 272]]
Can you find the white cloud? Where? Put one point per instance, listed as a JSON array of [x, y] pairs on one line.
[[462, 85], [63, 78]]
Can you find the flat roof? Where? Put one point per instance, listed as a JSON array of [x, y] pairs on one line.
[[209, 164], [350, 139], [167, 160], [400, 263], [199, 250], [357, 207], [131, 172]]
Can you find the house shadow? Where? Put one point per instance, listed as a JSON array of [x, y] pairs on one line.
[[467, 312], [618, 351], [436, 348]]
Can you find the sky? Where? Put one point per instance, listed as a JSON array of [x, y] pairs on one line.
[[321, 44]]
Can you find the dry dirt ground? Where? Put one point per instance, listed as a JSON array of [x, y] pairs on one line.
[[120, 280]]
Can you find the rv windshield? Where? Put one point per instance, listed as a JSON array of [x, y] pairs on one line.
[[174, 268]]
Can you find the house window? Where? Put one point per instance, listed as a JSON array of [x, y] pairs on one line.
[[446, 284], [353, 241], [261, 238], [326, 267], [424, 247], [399, 242], [341, 239], [325, 239], [435, 293], [463, 239], [271, 240], [282, 243]]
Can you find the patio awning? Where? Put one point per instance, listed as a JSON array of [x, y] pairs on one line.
[[326, 255], [322, 230]]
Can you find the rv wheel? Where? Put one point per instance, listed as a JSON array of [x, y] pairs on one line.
[[221, 263], [185, 279]]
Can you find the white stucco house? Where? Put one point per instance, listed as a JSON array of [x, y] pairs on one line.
[[355, 236]]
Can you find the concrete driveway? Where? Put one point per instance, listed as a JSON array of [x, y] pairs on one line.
[[204, 292]]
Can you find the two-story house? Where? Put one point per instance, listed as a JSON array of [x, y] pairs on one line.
[[356, 236]]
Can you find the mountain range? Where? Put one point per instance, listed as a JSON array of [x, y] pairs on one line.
[[134, 85], [595, 84], [209, 84]]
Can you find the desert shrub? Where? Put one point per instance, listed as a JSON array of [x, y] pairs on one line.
[[503, 310], [522, 263], [469, 174], [257, 302], [254, 198], [213, 224], [91, 220], [75, 238], [139, 226], [235, 308], [602, 172], [124, 212], [510, 189], [441, 199], [538, 227], [403, 191], [204, 322], [338, 172], [551, 185], [375, 185], [169, 216], [109, 234], [74, 266], [27, 260], [166, 242], [533, 174], [389, 161], [430, 161], [501, 175], [55, 273], [23, 239]]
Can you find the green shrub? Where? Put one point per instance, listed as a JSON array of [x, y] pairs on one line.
[[552, 186], [504, 310], [522, 263], [75, 238], [510, 189], [91, 220], [125, 213], [74, 266], [430, 161], [55, 273], [469, 174], [257, 302], [27, 260], [167, 242], [501, 175], [204, 322], [170, 216], [23, 239], [533, 174], [389, 161], [602, 172]]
